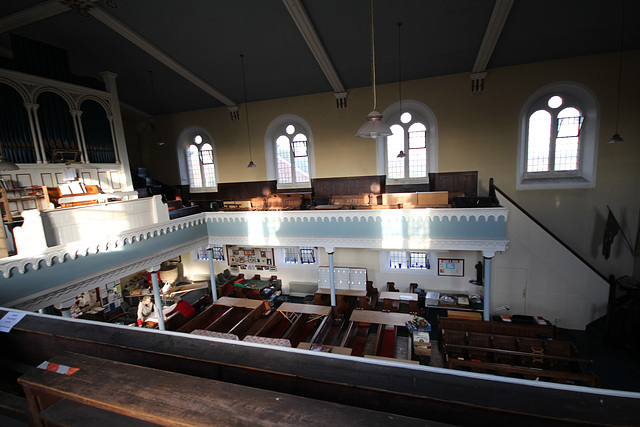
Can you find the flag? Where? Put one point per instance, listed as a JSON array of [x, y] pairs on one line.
[[610, 231]]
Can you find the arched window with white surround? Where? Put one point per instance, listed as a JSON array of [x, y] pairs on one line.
[[289, 152], [411, 152], [558, 138], [196, 157]]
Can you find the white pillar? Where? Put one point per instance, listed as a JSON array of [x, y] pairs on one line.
[[487, 289], [118, 128], [31, 108], [36, 122], [214, 288], [82, 146], [332, 280], [156, 296]]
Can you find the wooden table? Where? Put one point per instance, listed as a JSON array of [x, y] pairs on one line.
[[292, 307], [251, 288], [183, 289], [341, 294], [389, 297], [471, 315], [454, 306], [289, 309], [238, 302], [123, 394], [380, 317]]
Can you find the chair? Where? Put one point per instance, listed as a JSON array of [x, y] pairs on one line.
[[129, 314]]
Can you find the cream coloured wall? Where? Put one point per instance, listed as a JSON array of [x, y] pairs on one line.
[[477, 131]]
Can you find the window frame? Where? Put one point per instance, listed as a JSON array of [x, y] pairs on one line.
[[385, 262], [185, 140], [420, 113], [573, 95], [202, 254], [276, 129], [299, 263]]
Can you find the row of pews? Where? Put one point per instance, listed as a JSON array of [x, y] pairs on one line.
[[296, 201], [523, 351], [317, 327]]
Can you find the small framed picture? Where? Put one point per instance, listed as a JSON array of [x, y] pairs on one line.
[[450, 267]]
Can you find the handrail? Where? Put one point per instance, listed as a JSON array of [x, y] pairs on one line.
[[556, 238]]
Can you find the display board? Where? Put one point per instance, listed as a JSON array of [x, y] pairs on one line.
[[450, 267], [248, 258]]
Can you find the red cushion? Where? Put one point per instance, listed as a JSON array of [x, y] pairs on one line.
[[186, 309]]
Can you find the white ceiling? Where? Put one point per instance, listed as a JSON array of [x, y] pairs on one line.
[[193, 47]]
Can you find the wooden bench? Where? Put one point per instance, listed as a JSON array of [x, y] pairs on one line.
[[510, 355], [435, 199], [121, 394], [497, 328], [356, 201], [524, 372], [236, 205], [285, 202]]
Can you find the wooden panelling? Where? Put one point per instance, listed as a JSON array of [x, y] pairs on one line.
[[86, 178], [47, 179], [103, 181], [59, 178], [324, 188], [408, 188], [24, 180], [114, 178], [455, 182], [238, 191]]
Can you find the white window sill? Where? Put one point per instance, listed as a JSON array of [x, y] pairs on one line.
[[554, 183], [203, 189]]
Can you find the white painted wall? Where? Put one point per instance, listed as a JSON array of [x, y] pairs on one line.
[[538, 276]]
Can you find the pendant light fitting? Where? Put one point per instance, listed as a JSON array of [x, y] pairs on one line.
[[374, 127], [616, 136], [246, 112]]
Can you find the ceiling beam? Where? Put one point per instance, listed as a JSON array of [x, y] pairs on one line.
[[130, 34], [33, 14], [492, 34], [308, 31]]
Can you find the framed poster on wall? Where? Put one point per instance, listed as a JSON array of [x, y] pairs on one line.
[[249, 258], [450, 267]]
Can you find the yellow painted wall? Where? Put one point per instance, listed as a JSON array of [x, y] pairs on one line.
[[477, 131]]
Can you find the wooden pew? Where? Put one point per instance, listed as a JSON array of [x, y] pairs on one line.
[[103, 391], [512, 355], [498, 328], [205, 319], [357, 334], [524, 372]]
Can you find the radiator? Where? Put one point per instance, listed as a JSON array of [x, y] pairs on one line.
[[301, 289]]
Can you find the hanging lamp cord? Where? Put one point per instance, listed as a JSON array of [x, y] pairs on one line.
[[373, 59], [399, 67], [620, 66], [246, 107]]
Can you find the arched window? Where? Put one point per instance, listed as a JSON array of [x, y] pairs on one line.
[[411, 152], [289, 152], [558, 138], [197, 152]]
